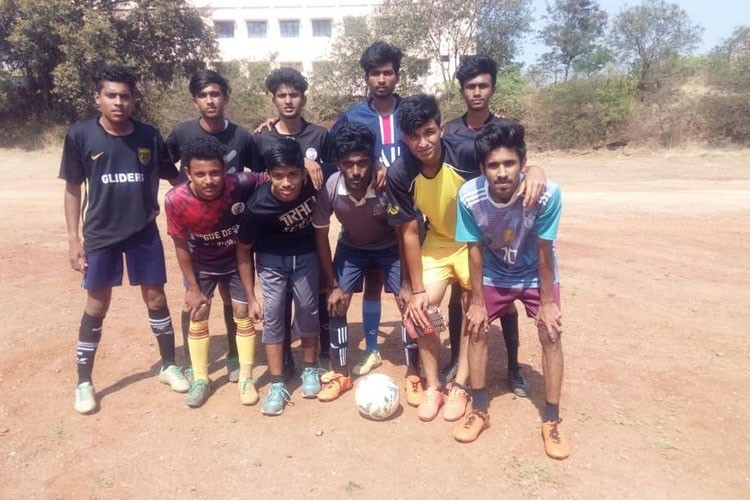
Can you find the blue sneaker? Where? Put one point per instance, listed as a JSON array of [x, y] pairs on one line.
[[277, 399], [310, 382]]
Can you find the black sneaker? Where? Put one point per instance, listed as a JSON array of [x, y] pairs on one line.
[[518, 384], [448, 373]]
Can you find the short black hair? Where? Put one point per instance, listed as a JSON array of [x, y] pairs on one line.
[[287, 76], [115, 73], [285, 153], [354, 138], [380, 53], [473, 66], [502, 133], [417, 110], [205, 77], [202, 148]]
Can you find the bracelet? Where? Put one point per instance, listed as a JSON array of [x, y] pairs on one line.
[[417, 293]]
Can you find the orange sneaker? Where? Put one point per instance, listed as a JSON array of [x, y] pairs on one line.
[[555, 443], [455, 407], [334, 385], [431, 402], [470, 429], [413, 389]]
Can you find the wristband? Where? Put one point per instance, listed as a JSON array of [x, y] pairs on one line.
[[417, 293]]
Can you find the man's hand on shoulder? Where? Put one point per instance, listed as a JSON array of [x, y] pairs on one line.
[[533, 185]]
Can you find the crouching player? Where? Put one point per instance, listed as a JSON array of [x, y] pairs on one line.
[[366, 241], [511, 257], [203, 219], [277, 225]]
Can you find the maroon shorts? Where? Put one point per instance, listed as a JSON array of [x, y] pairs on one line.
[[497, 299]]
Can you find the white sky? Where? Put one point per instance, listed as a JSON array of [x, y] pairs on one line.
[[718, 18]]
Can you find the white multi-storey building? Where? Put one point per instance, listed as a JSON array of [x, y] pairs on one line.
[[293, 33]]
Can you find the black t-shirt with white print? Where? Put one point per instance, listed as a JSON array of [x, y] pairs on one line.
[[278, 227]]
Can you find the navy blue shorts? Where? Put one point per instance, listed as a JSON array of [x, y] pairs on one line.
[[350, 265], [145, 257]]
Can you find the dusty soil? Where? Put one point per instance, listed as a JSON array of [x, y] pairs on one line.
[[655, 282]]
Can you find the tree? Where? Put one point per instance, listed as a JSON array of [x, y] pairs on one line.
[[58, 44], [652, 33], [573, 26], [502, 25]]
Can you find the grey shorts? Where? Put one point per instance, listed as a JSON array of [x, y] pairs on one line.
[[276, 272], [208, 281]]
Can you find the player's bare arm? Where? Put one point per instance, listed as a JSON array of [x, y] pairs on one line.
[[246, 270], [533, 184], [76, 254], [315, 172], [549, 313], [269, 124], [404, 294], [337, 300], [419, 300], [378, 176], [476, 317], [195, 302]]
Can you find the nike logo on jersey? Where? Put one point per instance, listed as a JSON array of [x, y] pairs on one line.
[[97, 156]]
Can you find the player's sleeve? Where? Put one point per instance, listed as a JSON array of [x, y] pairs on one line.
[[71, 165], [322, 212], [548, 219], [249, 154], [400, 200], [175, 226], [167, 170], [173, 146], [258, 162], [467, 230]]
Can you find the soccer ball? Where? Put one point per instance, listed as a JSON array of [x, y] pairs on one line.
[[376, 396]]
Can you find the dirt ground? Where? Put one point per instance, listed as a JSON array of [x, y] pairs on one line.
[[655, 276]]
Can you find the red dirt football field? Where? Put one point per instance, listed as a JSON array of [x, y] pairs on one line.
[[655, 284]]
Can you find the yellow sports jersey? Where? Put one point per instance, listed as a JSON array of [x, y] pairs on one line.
[[436, 199]]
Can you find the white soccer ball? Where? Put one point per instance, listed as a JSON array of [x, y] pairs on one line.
[[376, 396]]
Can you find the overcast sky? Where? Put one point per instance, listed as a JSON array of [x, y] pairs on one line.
[[718, 18]]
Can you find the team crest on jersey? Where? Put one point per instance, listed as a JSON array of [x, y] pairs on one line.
[[144, 156], [393, 209], [311, 154], [508, 235], [529, 217], [238, 208], [378, 209]]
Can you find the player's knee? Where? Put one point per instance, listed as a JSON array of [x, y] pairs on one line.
[[154, 297]]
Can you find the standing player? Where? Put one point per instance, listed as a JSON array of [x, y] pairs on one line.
[[427, 180], [203, 218], [287, 87], [381, 63], [210, 93], [120, 160], [366, 241], [511, 257], [477, 76], [277, 225]]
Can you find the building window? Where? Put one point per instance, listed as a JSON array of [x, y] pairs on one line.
[[289, 28], [321, 27], [224, 29], [257, 29]]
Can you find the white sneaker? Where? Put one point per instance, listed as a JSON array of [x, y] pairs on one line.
[[369, 362], [85, 398], [172, 376]]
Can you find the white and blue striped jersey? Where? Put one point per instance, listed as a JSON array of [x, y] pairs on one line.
[[508, 232]]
